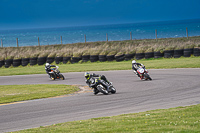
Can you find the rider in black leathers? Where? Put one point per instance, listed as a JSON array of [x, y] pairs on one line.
[[135, 66], [88, 76], [48, 68]]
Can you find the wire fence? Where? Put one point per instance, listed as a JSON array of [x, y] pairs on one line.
[[85, 39]]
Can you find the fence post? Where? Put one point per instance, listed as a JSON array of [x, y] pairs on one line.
[[156, 34], [187, 32], [106, 36], [61, 39], [1, 43], [17, 42], [130, 35], [38, 41], [85, 38]]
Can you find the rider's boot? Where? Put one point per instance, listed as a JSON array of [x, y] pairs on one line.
[[95, 91], [136, 73]]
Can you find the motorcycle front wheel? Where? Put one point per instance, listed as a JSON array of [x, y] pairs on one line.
[[113, 90], [61, 77]]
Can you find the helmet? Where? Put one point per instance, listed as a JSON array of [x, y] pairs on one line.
[[133, 61], [87, 75], [47, 64]]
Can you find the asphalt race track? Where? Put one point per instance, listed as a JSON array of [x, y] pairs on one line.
[[169, 88]]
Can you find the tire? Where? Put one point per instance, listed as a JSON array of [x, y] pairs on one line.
[[129, 56], [149, 55], [33, 61], [119, 58], [102, 89], [17, 62], [147, 76], [85, 58], [113, 90], [75, 59], [187, 52], [139, 56], [158, 54], [94, 58], [1, 63], [168, 53], [25, 61], [61, 77], [66, 59], [110, 57], [102, 58], [178, 53], [8, 63], [50, 60], [58, 60], [41, 60], [196, 52]]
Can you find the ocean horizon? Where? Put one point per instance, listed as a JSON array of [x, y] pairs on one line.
[[112, 32]]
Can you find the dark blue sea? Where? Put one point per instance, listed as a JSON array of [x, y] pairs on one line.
[[70, 35]]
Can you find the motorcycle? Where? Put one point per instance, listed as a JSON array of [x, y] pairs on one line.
[[143, 73], [99, 86], [55, 74]]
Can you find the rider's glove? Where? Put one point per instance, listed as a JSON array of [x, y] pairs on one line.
[[143, 65]]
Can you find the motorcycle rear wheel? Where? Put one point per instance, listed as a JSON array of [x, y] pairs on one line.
[[102, 90], [147, 76]]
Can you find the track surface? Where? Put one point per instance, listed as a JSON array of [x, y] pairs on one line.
[[169, 88]]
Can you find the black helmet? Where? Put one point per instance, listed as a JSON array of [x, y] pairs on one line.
[[87, 75]]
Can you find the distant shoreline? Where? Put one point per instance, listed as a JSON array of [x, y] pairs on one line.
[[115, 32], [142, 22]]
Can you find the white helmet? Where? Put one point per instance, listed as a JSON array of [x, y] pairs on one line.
[[47, 64], [133, 61]]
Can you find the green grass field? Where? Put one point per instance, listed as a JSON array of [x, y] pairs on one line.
[[174, 120], [15, 93], [183, 62]]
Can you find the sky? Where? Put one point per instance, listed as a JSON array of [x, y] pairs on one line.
[[25, 14]]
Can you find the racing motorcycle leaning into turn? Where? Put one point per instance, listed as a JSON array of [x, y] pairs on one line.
[[55, 74], [99, 85], [140, 70]]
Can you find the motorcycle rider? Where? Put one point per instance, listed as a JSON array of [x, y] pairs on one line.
[[88, 76], [135, 66], [48, 68]]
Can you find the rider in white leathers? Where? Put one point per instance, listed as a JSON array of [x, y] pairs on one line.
[[135, 66]]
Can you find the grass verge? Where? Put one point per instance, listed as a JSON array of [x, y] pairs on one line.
[[183, 62], [14, 93], [176, 120]]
